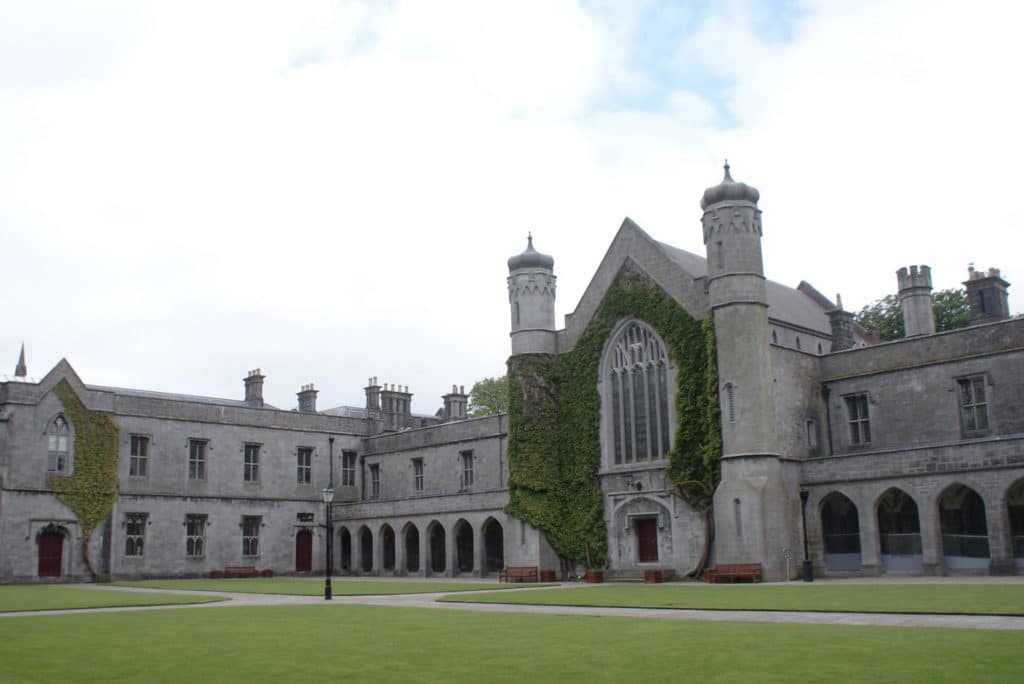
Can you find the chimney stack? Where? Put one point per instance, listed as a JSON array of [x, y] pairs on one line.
[[842, 327], [986, 295], [455, 403], [254, 388], [307, 399]]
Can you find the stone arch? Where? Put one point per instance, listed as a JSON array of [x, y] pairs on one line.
[[60, 440], [964, 528], [365, 549], [411, 537], [642, 533], [387, 550], [636, 384], [899, 530], [345, 549], [840, 532], [436, 548], [463, 533], [50, 551], [1015, 509], [493, 559]]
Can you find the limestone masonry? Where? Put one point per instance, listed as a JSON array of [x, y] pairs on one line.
[[904, 456]]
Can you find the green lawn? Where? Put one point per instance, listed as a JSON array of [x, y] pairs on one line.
[[17, 597], [986, 599], [354, 643], [306, 587]]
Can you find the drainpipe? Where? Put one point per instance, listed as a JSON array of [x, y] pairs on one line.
[[825, 392]]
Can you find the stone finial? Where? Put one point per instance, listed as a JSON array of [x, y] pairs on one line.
[[20, 370]]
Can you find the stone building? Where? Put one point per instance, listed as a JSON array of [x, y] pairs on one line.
[[904, 456]]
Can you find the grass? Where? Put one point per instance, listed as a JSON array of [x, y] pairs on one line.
[[367, 643], [981, 599], [306, 587], [56, 597]]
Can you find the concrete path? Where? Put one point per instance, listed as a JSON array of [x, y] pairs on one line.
[[431, 601]]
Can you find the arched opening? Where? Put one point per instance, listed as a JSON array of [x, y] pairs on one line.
[[345, 549], [435, 536], [1015, 504], [51, 552], [964, 529], [303, 551], [840, 532], [899, 531], [58, 445], [494, 546], [464, 546], [412, 548], [387, 540], [365, 549]]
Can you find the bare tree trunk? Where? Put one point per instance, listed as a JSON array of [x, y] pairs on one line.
[[709, 538], [87, 559]]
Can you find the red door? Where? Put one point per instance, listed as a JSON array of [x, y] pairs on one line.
[[647, 533], [51, 552], [304, 551]]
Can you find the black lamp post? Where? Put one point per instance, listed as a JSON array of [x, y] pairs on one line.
[[808, 567], [328, 494]]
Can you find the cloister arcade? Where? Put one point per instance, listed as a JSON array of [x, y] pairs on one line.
[[959, 527], [421, 548]]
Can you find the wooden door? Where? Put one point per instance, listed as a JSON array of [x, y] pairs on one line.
[[51, 553], [303, 551], [647, 535]]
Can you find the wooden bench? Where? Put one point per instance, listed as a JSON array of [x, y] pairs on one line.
[[733, 572], [526, 573], [240, 571]]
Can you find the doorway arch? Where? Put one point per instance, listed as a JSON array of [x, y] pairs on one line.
[[899, 531], [51, 552], [303, 551], [387, 553], [345, 546], [840, 532], [463, 546], [1015, 506], [365, 549], [437, 546], [494, 546], [964, 529], [412, 548]]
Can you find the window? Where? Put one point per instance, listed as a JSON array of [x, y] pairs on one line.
[[197, 459], [305, 465], [730, 396], [251, 535], [973, 404], [134, 533], [375, 481], [637, 378], [467, 469], [860, 425], [57, 454], [251, 470], [348, 469], [417, 474], [138, 455], [195, 535]]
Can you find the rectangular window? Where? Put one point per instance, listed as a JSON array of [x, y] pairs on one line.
[[973, 404], [375, 481], [197, 459], [860, 424], [138, 455], [134, 533], [417, 474], [348, 469], [195, 535], [305, 465], [251, 469], [251, 535], [467, 469]]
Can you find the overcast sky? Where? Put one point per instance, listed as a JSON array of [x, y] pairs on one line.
[[329, 191]]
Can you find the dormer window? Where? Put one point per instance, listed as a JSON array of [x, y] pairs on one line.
[[57, 449]]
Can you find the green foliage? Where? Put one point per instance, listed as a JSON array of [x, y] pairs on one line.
[[554, 420], [91, 490], [489, 396], [885, 316]]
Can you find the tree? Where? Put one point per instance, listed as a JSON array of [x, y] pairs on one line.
[[885, 316], [489, 396]]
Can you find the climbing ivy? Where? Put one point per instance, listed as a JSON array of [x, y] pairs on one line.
[[91, 490], [554, 421]]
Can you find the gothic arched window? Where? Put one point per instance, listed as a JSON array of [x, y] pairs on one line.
[[57, 445], [637, 373]]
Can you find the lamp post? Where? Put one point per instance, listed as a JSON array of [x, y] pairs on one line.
[[808, 567], [328, 494]]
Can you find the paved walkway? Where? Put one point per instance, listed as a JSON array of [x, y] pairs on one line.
[[431, 601]]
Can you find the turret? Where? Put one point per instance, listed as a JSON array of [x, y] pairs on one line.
[[531, 297], [986, 295], [915, 295]]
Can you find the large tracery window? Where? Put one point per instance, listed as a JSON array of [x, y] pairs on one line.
[[638, 377]]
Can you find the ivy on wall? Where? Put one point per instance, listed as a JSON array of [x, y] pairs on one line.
[[554, 421], [92, 488]]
